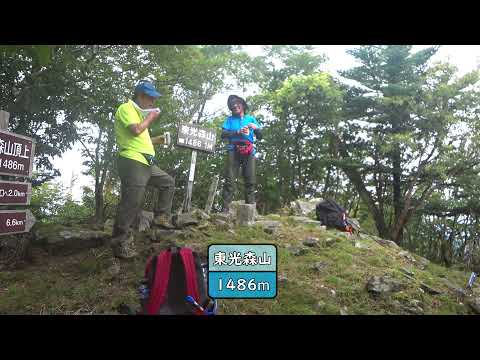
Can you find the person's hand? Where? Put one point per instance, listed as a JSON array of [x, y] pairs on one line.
[[252, 126], [245, 130], [153, 115]]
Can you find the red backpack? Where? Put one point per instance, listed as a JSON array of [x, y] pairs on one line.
[[176, 284]]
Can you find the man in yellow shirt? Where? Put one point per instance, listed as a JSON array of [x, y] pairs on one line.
[[136, 168]]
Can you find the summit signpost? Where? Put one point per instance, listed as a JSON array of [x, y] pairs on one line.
[[16, 159], [198, 139]]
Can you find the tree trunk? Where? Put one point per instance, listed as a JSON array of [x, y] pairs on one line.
[[99, 213], [356, 179], [397, 193]]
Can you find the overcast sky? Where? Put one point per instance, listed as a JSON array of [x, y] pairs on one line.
[[465, 57]]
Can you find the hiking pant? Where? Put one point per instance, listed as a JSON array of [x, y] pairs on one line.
[[234, 162], [134, 177]]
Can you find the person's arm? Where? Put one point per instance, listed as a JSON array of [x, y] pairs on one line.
[[158, 140], [137, 129], [258, 133], [227, 133], [256, 130]]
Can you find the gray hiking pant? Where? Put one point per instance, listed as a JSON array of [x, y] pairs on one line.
[[134, 177], [233, 164]]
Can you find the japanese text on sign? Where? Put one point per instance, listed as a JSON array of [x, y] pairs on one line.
[[242, 271], [194, 137], [16, 154]]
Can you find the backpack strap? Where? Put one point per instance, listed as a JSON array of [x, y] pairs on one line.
[[190, 276], [160, 282]]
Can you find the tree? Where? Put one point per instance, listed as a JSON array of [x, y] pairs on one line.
[[40, 86], [397, 142]]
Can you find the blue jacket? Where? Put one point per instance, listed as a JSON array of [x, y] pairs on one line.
[[235, 123]]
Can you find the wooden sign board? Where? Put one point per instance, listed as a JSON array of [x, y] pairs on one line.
[[15, 193], [196, 138], [15, 221], [16, 154]]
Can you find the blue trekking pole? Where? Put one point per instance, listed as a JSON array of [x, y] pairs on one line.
[[473, 276], [192, 301]]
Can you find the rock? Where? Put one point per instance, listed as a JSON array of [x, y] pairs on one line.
[[183, 220], [63, 240], [383, 285], [407, 256], [162, 235], [474, 304], [413, 307], [319, 305], [429, 290], [422, 263], [330, 242], [235, 205], [361, 245], [407, 272], [304, 207], [114, 270], [245, 214], [203, 226], [306, 220], [200, 214], [220, 216], [221, 224], [387, 243], [143, 221], [109, 223], [15, 249], [297, 251], [311, 242], [269, 226], [319, 266], [460, 293]]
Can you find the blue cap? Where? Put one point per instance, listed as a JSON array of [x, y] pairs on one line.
[[147, 88]]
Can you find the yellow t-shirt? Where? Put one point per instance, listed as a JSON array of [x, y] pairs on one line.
[[131, 146]]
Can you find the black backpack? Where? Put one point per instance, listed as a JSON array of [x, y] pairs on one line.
[[332, 215], [176, 284]]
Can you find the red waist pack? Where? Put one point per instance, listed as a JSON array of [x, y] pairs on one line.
[[244, 148]]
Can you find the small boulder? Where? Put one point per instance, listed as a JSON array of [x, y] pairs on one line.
[[221, 224], [200, 214], [183, 220], [319, 266], [330, 242], [65, 241], [114, 270], [474, 304], [306, 220], [161, 235], [429, 290], [311, 242], [383, 285], [109, 223], [143, 221], [269, 226], [304, 207], [296, 250], [245, 214], [387, 243]]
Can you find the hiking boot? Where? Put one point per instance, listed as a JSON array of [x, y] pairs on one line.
[[124, 249], [163, 221]]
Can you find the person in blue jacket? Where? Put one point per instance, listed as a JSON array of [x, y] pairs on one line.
[[239, 131]]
